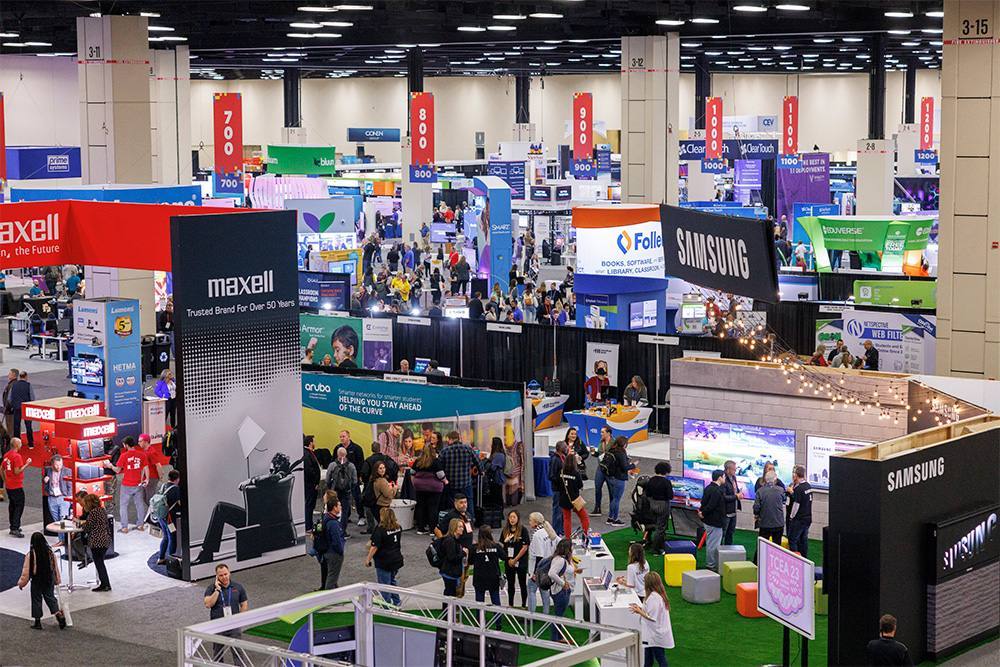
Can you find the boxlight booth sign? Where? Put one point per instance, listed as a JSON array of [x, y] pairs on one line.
[[375, 410], [239, 382], [905, 343]]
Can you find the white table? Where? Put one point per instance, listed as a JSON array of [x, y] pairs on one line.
[[593, 562], [615, 611], [68, 529], [43, 344]]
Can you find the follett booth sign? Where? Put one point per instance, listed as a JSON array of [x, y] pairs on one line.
[[726, 253]]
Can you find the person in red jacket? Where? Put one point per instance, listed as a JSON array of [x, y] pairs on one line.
[[12, 469], [134, 467]]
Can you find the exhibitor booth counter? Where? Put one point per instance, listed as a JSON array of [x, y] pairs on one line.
[[630, 422]]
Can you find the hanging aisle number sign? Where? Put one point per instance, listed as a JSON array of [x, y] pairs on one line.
[[422, 138], [583, 136], [713, 128], [926, 123], [228, 121], [790, 125]]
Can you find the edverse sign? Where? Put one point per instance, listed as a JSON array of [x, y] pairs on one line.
[[722, 252]]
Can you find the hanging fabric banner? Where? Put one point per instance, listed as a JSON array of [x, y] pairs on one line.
[[228, 125], [790, 125], [422, 133], [713, 128]]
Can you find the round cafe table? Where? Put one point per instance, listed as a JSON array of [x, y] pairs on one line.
[[69, 529]]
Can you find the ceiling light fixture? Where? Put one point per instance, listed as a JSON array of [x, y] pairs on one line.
[[149, 15], [470, 28], [509, 17], [823, 40], [932, 31], [354, 8], [757, 48], [328, 35], [854, 39], [898, 14], [792, 8], [300, 35], [163, 28], [304, 24], [750, 8], [545, 15], [669, 22], [898, 32], [691, 45], [165, 38], [501, 28], [428, 46], [317, 9], [337, 24], [17, 44], [935, 14], [703, 19], [8, 34]]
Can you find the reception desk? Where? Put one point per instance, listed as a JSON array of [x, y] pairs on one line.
[[548, 411], [631, 422]]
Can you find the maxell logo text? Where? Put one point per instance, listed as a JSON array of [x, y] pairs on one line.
[[30, 231], [99, 430], [42, 414], [89, 411], [257, 284], [320, 388]]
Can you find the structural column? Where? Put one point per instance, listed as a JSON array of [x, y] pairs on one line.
[[702, 89], [876, 88], [969, 254], [116, 131], [115, 138], [522, 91], [170, 92], [910, 92], [650, 82], [418, 198]]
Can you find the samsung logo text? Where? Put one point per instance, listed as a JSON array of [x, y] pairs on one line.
[[714, 254], [914, 474]]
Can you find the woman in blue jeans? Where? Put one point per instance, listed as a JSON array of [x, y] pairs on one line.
[[168, 524], [563, 574], [543, 541], [386, 549], [617, 474]]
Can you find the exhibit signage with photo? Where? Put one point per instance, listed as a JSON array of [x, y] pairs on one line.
[[785, 587], [726, 253], [709, 444], [346, 342], [809, 181], [905, 343], [891, 237], [602, 355], [819, 449], [239, 384], [324, 291], [374, 409]]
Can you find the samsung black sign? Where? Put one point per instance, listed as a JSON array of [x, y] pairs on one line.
[[967, 542], [721, 252]]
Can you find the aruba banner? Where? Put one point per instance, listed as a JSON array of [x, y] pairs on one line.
[[375, 409]]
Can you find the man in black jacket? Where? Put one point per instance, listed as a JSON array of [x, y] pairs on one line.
[[886, 650], [870, 356], [20, 392], [731, 494], [713, 516], [355, 455], [311, 476]]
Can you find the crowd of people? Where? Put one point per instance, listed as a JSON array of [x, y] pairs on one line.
[[841, 357]]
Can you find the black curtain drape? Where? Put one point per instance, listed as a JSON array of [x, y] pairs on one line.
[[768, 185]]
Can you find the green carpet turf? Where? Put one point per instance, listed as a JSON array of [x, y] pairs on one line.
[[704, 635]]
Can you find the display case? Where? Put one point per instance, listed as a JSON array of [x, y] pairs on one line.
[[45, 413], [81, 441]]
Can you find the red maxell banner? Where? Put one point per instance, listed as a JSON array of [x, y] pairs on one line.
[[713, 128], [228, 113], [790, 125], [583, 126], [422, 128], [3, 146], [926, 123]]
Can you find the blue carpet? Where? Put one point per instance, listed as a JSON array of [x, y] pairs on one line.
[[11, 563]]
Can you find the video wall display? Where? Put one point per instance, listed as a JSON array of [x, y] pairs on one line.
[[709, 444], [87, 370], [819, 449]]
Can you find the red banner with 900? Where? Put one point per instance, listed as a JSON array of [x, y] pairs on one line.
[[583, 126]]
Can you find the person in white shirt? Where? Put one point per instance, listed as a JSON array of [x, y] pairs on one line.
[[657, 634], [637, 570], [543, 542]]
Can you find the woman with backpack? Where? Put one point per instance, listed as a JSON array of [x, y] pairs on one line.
[[41, 569], [570, 500], [656, 631], [453, 556], [616, 467], [562, 574], [428, 484], [514, 539], [543, 541], [486, 568], [386, 549]]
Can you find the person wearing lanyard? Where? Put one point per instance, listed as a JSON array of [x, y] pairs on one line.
[[224, 597]]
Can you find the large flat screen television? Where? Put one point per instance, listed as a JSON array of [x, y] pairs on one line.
[[819, 449], [87, 370], [709, 444]]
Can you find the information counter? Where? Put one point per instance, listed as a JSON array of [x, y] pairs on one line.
[[548, 411], [631, 422]]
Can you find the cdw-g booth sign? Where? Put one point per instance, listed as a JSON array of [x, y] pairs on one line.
[[237, 340]]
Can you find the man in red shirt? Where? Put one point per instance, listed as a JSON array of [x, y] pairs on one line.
[[156, 463], [12, 469], [134, 467]]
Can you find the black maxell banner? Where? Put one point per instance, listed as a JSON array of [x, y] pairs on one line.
[[726, 253], [236, 319]]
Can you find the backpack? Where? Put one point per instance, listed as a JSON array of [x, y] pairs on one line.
[[542, 576], [609, 464], [341, 478], [498, 475], [158, 508], [508, 466], [433, 552], [320, 542]]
